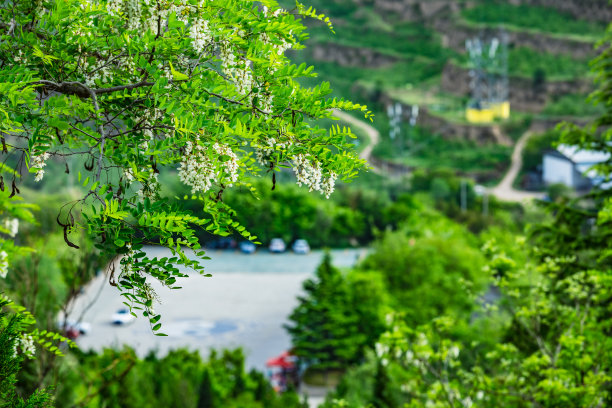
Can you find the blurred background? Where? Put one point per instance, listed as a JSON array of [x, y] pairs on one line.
[[466, 97]]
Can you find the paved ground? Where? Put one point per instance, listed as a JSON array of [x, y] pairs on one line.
[[245, 304], [504, 190]]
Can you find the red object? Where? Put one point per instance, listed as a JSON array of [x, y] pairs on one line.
[[284, 360], [72, 333]]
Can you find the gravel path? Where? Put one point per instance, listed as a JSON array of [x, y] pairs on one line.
[[504, 190], [371, 132]]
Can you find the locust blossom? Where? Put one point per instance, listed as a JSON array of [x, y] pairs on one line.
[[264, 150], [310, 174], [127, 263], [150, 295], [150, 185], [200, 35], [12, 226], [114, 7], [199, 171], [327, 187], [3, 264], [133, 10], [39, 162], [129, 174], [196, 168], [26, 344], [307, 173], [230, 164]]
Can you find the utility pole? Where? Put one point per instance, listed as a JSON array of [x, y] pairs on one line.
[[463, 195], [395, 120], [481, 191], [485, 204]]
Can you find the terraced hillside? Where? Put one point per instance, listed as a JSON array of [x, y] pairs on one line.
[[413, 52]]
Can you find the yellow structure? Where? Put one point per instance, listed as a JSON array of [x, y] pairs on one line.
[[475, 115], [501, 110], [498, 110]]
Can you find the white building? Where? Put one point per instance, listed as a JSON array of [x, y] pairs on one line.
[[570, 166]]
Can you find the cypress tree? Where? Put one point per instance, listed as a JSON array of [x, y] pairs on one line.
[[325, 328], [206, 397]]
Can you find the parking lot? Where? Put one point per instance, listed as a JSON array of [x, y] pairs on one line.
[[244, 304]]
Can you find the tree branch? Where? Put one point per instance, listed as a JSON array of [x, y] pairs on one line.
[[101, 91]]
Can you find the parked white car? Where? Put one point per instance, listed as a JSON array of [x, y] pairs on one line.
[[277, 245], [300, 246]]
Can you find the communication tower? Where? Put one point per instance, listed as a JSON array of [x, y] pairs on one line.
[[488, 78]]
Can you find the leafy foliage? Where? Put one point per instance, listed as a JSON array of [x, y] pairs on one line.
[[541, 333], [18, 340], [135, 88], [179, 379]]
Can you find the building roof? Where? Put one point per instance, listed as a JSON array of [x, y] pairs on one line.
[[583, 157]]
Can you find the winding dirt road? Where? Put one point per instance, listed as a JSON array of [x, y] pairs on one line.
[[372, 133], [504, 190]]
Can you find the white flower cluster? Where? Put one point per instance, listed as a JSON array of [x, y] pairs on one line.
[[231, 164], [243, 79], [133, 11], [11, 225], [159, 12], [196, 169], [275, 14], [102, 74], [154, 11], [328, 185], [381, 350], [200, 35], [151, 186], [19, 57], [26, 344], [114, 7], [307, 172], [310, 174], [127, 263], [265, 150], [3, 264], [199, 171], [150, 294], [129, 175], [282, 45], [39, 162], [238, 72], [148, 120], [265, 102]]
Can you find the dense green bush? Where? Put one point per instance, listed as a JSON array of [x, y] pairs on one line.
[[119, 378], [432, 257]]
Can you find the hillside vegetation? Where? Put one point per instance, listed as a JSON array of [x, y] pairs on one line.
[[385, 51]]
